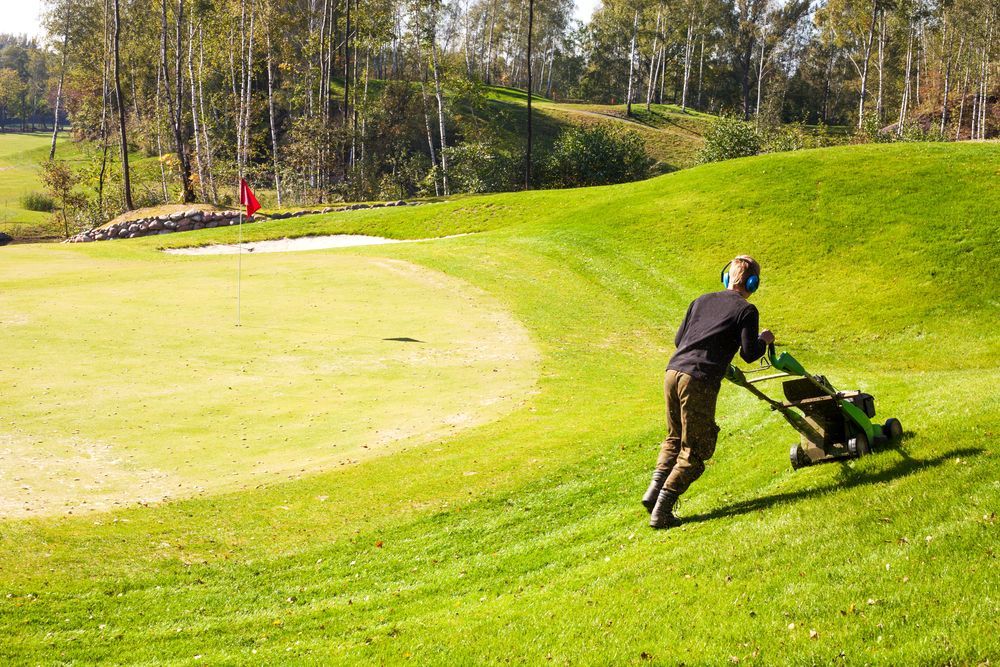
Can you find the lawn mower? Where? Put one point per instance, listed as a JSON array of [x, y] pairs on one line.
[[834, 425]]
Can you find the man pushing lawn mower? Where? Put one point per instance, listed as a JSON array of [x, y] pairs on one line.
[[832, 425], [715, 327]]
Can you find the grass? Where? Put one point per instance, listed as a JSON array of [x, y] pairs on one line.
[[20, 155], [673, 137], [522, 539]]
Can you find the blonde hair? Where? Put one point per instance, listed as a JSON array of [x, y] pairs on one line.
[[741, 268]]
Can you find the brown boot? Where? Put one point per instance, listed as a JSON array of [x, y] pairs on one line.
[[663, 512], [653, 492]]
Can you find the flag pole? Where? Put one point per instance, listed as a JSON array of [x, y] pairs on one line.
[[239, 265]]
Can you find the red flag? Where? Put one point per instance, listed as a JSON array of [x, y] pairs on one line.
[[248, 199]]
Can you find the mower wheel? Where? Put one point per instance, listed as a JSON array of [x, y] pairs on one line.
[[798, 457], [858, 445], [892, 431]]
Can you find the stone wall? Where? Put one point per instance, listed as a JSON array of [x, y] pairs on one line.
[[185, 221]]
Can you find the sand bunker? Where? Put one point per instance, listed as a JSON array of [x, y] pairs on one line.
[[292, 245]]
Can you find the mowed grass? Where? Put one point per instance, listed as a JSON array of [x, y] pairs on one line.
[[20, 155], [522, 540], [673, 137]]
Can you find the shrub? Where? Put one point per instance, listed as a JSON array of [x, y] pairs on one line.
[[730, 138], [597, 155], [475, 166], [38, 201]]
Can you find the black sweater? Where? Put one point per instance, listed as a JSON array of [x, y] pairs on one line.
[[716, 325]]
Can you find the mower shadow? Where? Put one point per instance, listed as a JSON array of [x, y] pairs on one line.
[[850, 479]]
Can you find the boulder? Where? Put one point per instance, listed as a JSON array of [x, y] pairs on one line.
[[155, 225], [191, 212], [197, 217], [210, 225], [178, 216]]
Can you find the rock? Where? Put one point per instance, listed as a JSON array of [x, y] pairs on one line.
[[210, 225], [198, 217], [177, 216], [155, 225], [143, 226], [326, 210], [190, 213], [164, 231]]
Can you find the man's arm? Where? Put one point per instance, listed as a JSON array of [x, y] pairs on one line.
[[680, 330], [752, 344]]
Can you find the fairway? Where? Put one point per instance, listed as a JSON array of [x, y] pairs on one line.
[[323, 495], [338, 358]]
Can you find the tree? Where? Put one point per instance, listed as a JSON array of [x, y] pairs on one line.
[[60, 182]]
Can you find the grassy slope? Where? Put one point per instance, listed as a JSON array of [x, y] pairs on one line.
[[20, 154], [873, 261], [673, 137]]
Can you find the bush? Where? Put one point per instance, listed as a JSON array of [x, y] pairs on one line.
[[38, 201], [476, 166], [597, 155], [730, 138]]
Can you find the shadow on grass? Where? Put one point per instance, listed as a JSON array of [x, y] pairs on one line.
[[850, 479]]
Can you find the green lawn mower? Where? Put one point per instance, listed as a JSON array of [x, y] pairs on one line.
[[834, 425]]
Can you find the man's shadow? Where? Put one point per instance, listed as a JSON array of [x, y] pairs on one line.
[[849, 479]]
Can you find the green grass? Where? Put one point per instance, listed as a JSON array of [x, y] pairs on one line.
[[20, 155], [522, 539], [673, 137]]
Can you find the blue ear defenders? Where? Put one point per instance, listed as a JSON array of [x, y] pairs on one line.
[[750, 284]]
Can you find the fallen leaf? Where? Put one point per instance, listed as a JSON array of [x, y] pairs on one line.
[[813, 634]]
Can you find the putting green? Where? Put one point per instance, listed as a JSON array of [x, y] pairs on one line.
[[338, 358]]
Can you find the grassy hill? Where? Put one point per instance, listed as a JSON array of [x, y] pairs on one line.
[[20, 154], [673, 137], [516, 536]]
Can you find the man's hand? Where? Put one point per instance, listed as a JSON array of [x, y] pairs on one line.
[[767, 337]]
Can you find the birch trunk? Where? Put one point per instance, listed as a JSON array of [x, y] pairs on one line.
[[864, 69], [631, 65], [653, 64], [273, 121], [688, 55], [440, 105], [62, 79]]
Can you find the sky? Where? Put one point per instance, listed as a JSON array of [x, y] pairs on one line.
[[23, 16]]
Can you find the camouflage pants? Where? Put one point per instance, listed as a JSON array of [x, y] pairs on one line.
[[691, 429]]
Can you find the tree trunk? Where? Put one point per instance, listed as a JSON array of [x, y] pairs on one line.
[[204, 118], [904, 102], [194, 106], [126, 176], [652, 60], [631, 64], [427, 118], [274, 122], [688, 54], [62, 79], [867, 59], [701, 63], [760, 73], [527, 152], [947, 83], [187, 194], [440, 105], [961, 105]]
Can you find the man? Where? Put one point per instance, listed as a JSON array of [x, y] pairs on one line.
[[716, 325]]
